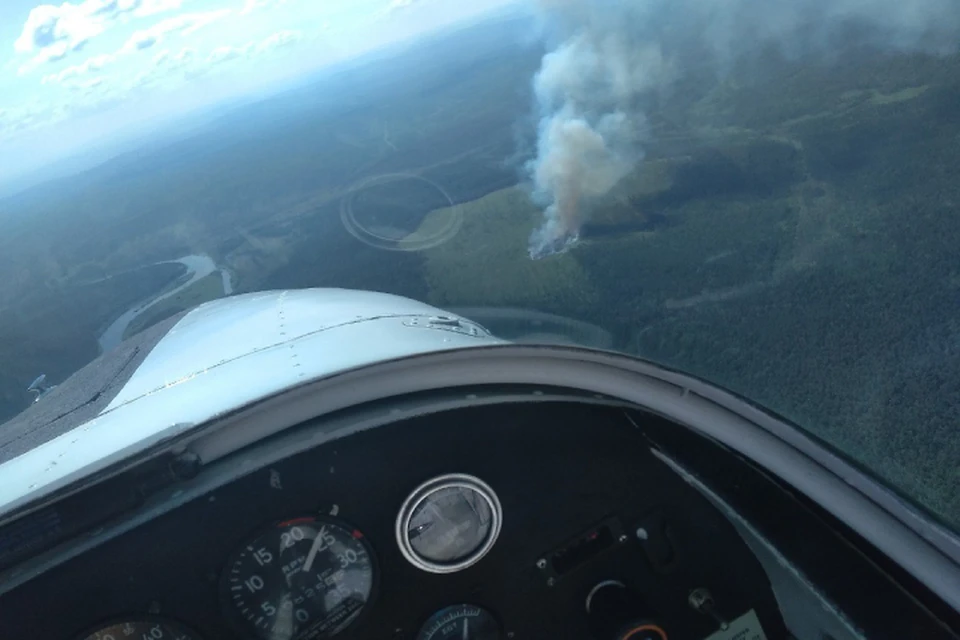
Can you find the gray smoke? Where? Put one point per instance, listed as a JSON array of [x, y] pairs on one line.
[[612, 55]]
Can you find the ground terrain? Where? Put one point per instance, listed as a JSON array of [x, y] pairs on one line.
[[792, 234]]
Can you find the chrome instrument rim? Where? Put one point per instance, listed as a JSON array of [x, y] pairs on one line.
[[427, 489]]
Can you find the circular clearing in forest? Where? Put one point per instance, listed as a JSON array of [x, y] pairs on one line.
[[400, 212]]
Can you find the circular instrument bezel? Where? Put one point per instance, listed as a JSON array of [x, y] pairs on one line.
[[139, 618], [432, 626], [424, 491], [241, 624]]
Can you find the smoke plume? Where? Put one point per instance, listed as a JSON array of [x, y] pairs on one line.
[[612, 56]]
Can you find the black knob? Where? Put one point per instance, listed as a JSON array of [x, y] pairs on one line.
[[616, 613]]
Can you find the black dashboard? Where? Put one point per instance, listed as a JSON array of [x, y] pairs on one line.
[[582, 502]]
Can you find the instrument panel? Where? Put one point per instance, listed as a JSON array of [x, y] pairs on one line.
[[486, 523]]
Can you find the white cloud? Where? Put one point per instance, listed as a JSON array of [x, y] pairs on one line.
[[27, 116], [142, 40], [255, 5], [165, 64], [167, 59], [227, 54], [84, 84], [396, 8], [110, 7], [166, 67], [400, 5], [280, 40], [153, 7], [95, 63], [184, 24], [162, 58], [52, 32]]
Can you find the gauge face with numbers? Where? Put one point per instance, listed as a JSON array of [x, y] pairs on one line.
[[461, 622], [141, 629], [300, 579]]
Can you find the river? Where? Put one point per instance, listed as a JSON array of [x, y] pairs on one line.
[[198, 267]]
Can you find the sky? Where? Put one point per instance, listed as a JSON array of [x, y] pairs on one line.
[[84, 72]]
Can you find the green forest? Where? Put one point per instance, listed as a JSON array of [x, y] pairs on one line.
[[792, 235]]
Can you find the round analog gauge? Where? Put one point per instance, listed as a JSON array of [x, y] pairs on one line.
[[301, 579], [448, 523], [461, 622], [141, 629]]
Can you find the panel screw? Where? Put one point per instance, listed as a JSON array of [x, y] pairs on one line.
[[541, 564], [623, 538]]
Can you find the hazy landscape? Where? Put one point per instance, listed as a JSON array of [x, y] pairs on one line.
[[792, 233]]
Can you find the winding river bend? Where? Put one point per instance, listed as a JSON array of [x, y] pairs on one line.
[[198, 267]]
